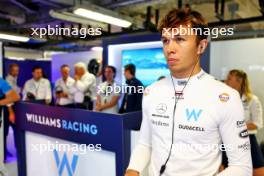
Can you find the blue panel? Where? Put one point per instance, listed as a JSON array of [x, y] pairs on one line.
[[205, 60], [26, 69], [81, 126], [127, 39], [150, 60]]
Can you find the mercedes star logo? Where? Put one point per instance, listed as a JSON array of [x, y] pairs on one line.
[[161, 108]]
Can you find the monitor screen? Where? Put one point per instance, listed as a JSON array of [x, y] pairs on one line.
[[150, 64]]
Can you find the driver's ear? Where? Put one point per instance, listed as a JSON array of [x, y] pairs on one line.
[[202, 46]]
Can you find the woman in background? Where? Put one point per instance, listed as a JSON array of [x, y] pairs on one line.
[[107, 98], [238, 80]]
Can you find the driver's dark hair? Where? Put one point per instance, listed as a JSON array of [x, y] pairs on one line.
[[184, 16]]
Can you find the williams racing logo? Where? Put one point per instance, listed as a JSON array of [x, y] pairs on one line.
[[63, 124], [65, 164], [193, 114]]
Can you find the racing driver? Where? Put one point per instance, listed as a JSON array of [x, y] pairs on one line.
[[189, 118]]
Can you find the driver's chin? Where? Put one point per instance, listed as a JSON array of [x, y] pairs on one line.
[[176, 68]]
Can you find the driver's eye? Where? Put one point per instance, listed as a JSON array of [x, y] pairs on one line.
[[179, 39], [165, 41]]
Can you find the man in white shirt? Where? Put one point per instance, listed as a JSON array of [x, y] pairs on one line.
[[62, 88], [83, 87], [38, 88], [12, 76], [107, 95], [188, 115]]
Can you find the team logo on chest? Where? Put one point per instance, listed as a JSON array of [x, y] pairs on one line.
[[193, 114]]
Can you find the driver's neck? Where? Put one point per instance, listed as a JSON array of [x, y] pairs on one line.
[[186, 73]]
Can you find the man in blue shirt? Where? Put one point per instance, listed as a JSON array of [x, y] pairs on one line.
[[7, 96]]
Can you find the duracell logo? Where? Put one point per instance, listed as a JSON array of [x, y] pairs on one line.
[[192, 128]]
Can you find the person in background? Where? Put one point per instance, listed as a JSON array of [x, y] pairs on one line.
[[83, 87], [107, 98], [38, 88], [9, 113], [132, 101], [95, 68], [238, 79], [12, 77], [62, 88], [7, 96]]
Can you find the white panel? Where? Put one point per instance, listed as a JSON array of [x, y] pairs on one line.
[[44, 164], [17, 53], [246, 54], [70, 59]]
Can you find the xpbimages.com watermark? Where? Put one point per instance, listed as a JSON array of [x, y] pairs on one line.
[[51, 146], [120, 89], [203, 147], [64, 31], [183, 30]]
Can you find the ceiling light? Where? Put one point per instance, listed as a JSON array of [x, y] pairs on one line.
[[94, 15], [68, 16], [14, 37], [97, 48]]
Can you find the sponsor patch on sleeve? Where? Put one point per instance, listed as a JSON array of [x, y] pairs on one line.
[[243, 134], [241, 123], [224, 97], [244, 147]]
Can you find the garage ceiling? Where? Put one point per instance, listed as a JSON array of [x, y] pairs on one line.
[[19, 16]]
